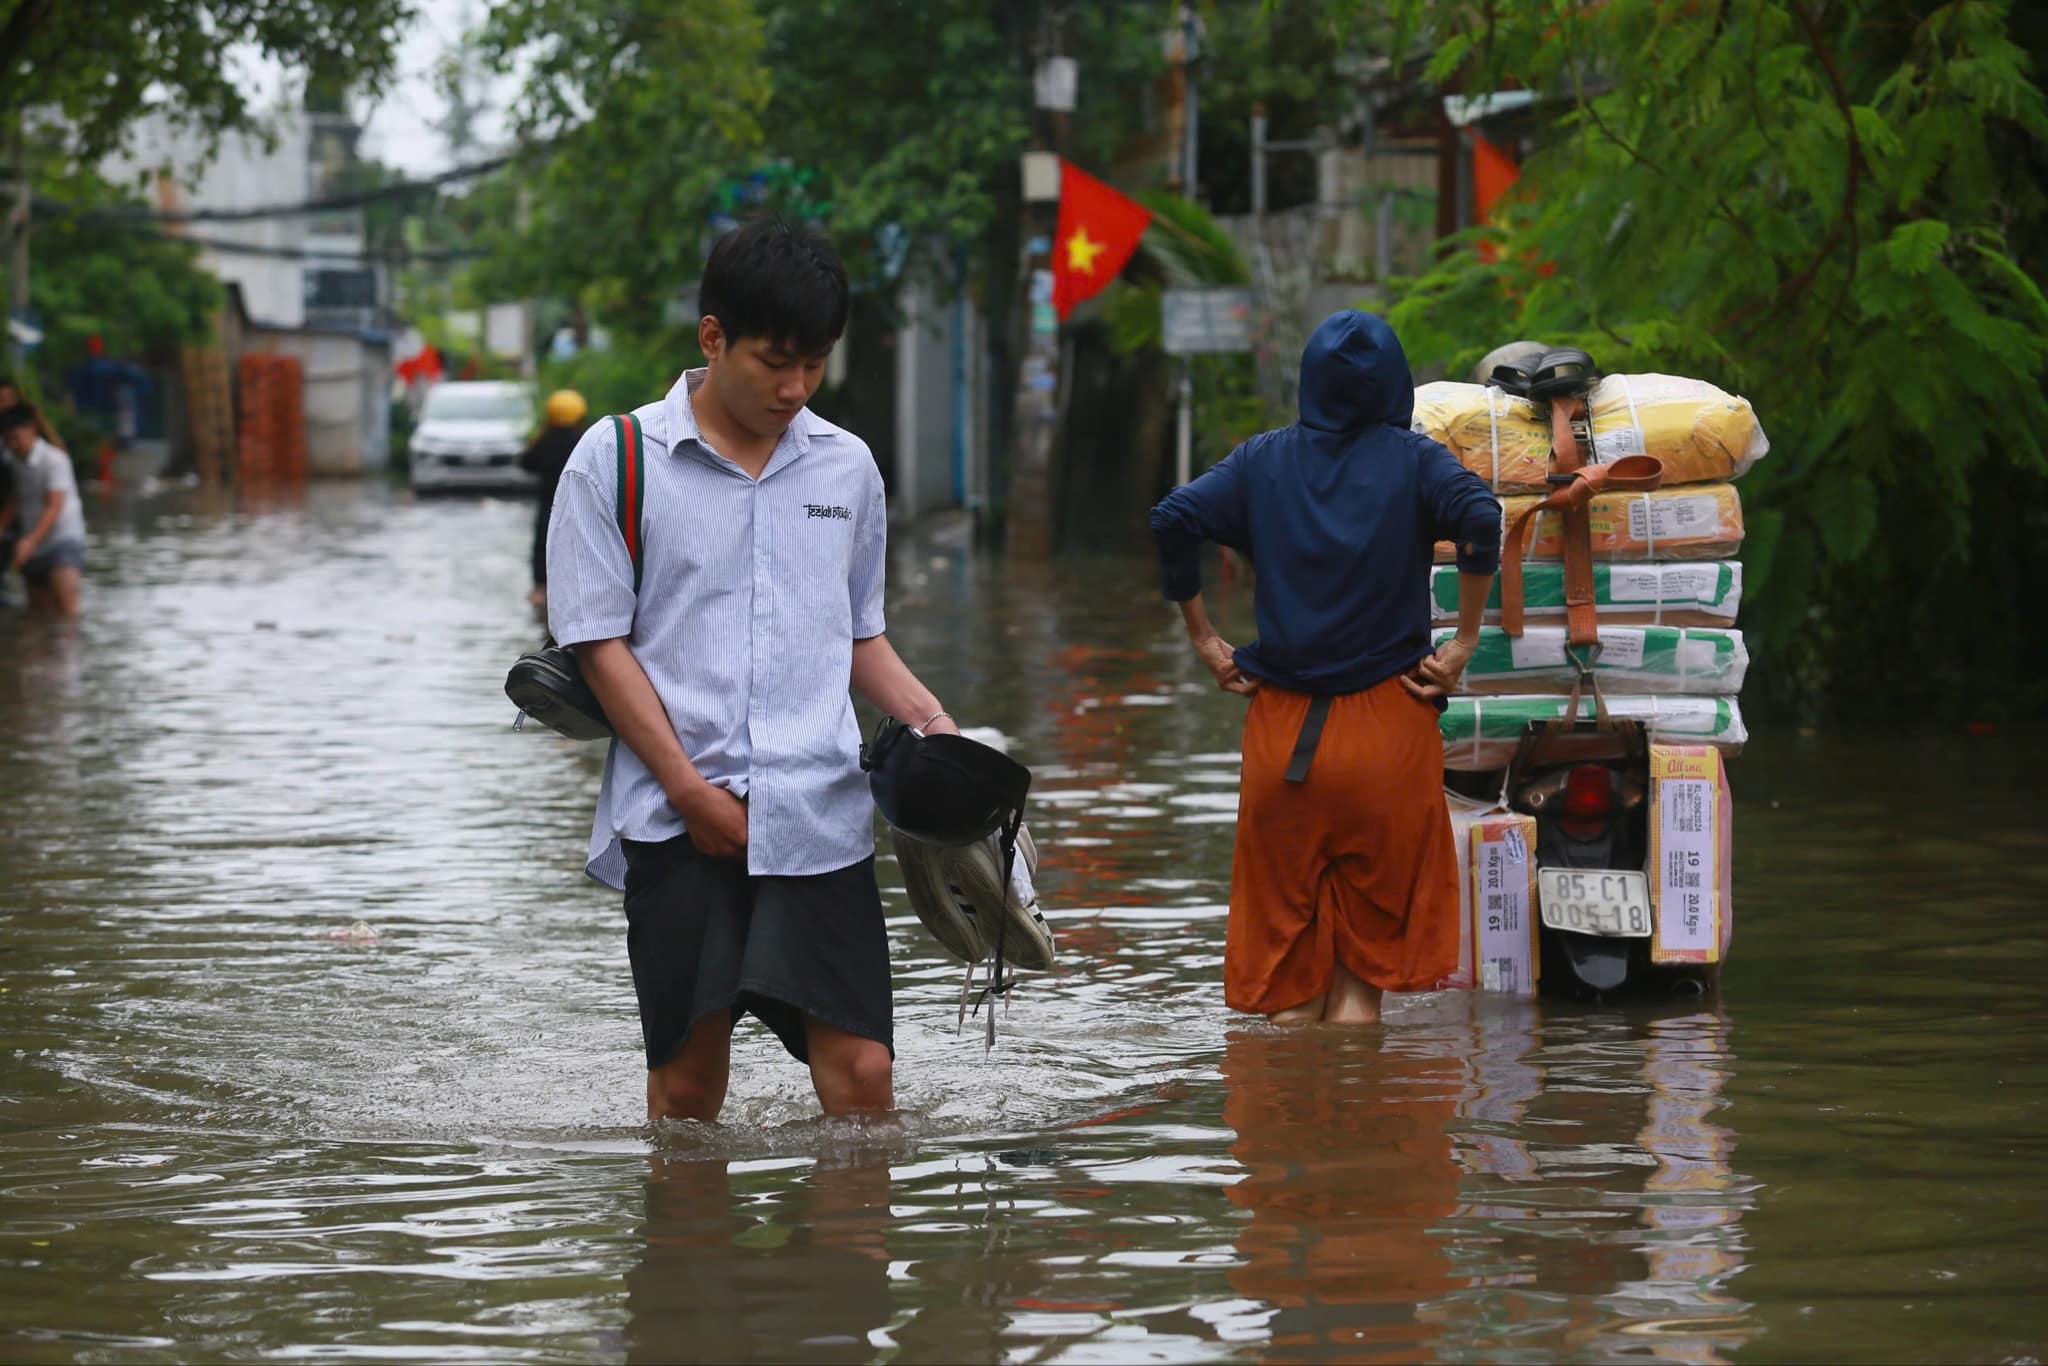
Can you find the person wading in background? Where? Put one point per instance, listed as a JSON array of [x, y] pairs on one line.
[[1344, 880], [10, 394], [49, 520]]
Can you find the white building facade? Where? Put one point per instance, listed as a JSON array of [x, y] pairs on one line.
[[306, 287]]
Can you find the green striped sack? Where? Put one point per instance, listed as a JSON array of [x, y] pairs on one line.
[[1650, 659], [1711, 589]]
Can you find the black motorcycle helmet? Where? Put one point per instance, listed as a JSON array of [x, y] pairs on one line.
[[1516, 359], [1532, 370], [946, 790], [1563, 371]]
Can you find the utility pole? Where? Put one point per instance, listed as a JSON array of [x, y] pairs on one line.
[[1035, 415], [1184, 416], [1191, 122], [1262, 263], [1258, 162], [17, 264]]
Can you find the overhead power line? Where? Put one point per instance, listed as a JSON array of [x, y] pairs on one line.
[[353, 200], [400, 256], [226, 247]]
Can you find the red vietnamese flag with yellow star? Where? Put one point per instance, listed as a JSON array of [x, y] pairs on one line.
[[1098, 231]]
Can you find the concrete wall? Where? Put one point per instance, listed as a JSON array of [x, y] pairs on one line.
[[1383, 223]]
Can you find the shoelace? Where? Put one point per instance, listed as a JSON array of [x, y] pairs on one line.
[[1000, 983]]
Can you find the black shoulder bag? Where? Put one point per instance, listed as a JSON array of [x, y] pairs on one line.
[[546, 684]]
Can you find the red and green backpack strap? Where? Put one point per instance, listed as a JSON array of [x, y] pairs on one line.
[[632, 491]]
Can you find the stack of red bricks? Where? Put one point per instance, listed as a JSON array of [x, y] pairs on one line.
[[272, 440]]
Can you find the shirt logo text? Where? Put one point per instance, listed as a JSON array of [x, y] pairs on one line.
[[837, 514]]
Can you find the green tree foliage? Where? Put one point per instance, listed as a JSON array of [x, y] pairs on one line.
[[140, 293], [915, 114], [899, 126], [101, 63], [1292, 58], [1836, 209], [637, 110]]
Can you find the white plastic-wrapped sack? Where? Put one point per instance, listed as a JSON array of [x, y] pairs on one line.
[[1690, 522], [1482, 732], [1639, 659], [1700, 594]]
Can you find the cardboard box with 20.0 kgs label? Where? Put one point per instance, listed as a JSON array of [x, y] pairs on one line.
[[1691, 829]]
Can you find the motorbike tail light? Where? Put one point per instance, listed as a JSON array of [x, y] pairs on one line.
[[1588, 792]]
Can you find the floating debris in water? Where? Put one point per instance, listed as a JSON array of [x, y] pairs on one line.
[[358, 933], [1028, 1157]]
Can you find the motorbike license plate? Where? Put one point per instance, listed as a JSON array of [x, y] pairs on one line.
[[1595, 901]]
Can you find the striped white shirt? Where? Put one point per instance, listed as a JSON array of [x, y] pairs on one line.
[[752, 593]]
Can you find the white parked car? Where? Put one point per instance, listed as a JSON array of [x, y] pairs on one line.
[[470, 434]]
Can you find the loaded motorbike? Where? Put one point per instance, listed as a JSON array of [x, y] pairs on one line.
[[1584, 779]]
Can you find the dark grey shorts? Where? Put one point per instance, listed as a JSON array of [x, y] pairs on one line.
[[63, 555], [703, 935]]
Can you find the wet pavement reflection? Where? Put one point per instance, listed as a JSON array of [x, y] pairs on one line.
[[317, 1043]]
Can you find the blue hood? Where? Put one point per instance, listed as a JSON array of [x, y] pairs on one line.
[[1354, 376]]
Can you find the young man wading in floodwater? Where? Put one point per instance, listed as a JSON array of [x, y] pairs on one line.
[[1344, 883], [734, 814]]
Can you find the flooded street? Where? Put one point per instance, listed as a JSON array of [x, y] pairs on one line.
[[233, 1126]]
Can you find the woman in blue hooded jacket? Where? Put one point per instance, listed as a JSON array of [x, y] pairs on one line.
[[1344, 882]]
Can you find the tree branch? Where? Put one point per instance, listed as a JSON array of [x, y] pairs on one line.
[[1586, 108], [1818, 41], [1720, 200], [1845, 221]]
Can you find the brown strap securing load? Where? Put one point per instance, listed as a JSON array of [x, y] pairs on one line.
[[1630, 474], [1567, 720], [1566, 455], [1576, 483]]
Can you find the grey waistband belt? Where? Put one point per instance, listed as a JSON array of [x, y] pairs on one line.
[[1311, 735]]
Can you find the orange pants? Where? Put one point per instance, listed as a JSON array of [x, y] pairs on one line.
[[1356, 863]]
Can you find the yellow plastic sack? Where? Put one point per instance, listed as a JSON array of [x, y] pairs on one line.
[[1697, 523], [1702, 434]]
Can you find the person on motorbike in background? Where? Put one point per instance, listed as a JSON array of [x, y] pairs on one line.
[[544, 459]]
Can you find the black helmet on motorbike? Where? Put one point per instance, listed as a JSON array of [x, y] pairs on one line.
[[1562, 372], [946, 790], [1532, 370], [1517, 358]]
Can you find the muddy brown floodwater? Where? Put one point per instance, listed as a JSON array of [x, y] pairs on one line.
[[231, 1128]]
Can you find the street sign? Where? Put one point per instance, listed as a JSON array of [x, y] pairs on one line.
[[1197, 321], [1041, 177]]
